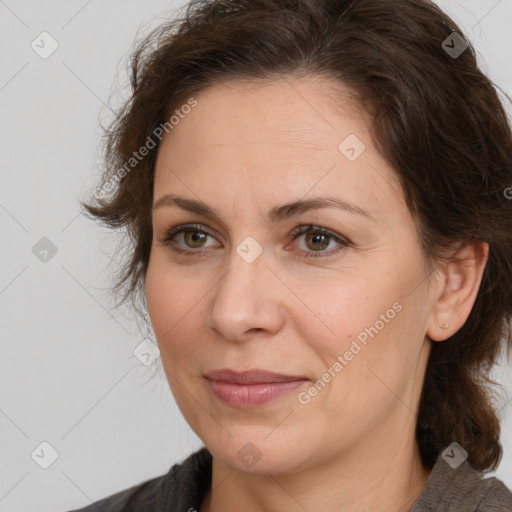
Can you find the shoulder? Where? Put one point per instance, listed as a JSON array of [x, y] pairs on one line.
[[185, 483], [464, 489], [497, 498], [138, 497]]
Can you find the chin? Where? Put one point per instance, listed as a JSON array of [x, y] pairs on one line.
[[259, 450]]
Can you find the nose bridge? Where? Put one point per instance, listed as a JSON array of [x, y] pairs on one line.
[[244, 298]]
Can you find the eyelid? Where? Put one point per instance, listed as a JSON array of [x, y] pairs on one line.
[[306, 228], [184, 227]]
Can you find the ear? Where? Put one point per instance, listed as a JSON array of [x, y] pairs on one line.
[[459, 282]]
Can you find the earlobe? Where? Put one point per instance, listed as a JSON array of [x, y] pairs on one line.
[[462, 279]]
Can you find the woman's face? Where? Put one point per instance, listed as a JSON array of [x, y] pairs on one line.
[[344, 312]]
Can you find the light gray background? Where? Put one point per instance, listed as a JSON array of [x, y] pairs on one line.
[[68, 375]]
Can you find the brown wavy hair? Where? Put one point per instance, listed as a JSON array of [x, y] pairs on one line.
[[437, 120]]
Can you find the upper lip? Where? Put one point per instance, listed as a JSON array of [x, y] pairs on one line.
[[254, 376]]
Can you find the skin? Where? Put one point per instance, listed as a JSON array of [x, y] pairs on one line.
[[244, 149]]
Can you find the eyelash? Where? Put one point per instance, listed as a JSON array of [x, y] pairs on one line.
[[296, 233]]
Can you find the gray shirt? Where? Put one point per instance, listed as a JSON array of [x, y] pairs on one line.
[[183, 488]]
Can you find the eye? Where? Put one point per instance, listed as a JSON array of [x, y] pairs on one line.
[[193, 235], [317, 239]]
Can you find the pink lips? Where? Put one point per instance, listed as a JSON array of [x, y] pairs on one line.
[[251, 388]]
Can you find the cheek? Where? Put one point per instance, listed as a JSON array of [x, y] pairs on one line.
[[158, 299], [367, 323], [345, 310], [174, 308], [376, 351]]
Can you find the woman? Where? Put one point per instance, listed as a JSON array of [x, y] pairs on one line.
[[316, 196]]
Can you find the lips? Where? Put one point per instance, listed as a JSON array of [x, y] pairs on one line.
[[249, 377], [251, 388]]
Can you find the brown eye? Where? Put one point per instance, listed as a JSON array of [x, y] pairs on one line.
[[316, 241], [194, 239], [188, 238]]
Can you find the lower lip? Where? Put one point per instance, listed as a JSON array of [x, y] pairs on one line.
[[251, 395]]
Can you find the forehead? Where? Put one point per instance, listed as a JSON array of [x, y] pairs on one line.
[[310, 110], [283, 134]]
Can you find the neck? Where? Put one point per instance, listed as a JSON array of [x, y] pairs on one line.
[[389, 476]]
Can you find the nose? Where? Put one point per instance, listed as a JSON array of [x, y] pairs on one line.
[[246, 300]]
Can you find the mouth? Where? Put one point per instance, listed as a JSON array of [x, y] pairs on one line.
[[249, 377], [251, 388]]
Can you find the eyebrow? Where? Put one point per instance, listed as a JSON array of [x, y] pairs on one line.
[[275, 214]]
